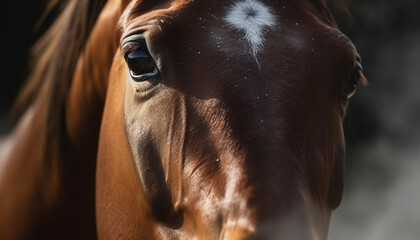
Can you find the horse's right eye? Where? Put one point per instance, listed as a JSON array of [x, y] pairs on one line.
[[141, 65]]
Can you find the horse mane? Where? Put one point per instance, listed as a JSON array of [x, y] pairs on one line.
[[53, 61]]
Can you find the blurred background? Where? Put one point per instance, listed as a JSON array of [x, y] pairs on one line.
[[382, 180]]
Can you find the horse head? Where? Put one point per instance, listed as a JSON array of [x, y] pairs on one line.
[[223, 119], [181, 119]]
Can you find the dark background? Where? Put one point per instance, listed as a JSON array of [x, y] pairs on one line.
[[382, 188], [382, 185], [18, 33]]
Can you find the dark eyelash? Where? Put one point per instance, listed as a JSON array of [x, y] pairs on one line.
[[128, 48], [132, 43]]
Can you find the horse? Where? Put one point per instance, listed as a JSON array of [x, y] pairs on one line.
[[181, 119]]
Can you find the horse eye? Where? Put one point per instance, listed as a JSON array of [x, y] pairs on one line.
[[141, 64], [352, 84]]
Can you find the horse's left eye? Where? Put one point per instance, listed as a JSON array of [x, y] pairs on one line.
[[351, 86], [141, 64]]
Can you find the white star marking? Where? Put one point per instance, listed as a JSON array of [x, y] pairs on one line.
[[252, 17]]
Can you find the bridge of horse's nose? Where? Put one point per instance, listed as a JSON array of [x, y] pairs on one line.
[[290, 228], [268, 230], [267, 204], [233, 233], [263, 215]]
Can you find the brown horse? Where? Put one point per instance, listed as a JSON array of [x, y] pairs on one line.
[[181, 119]]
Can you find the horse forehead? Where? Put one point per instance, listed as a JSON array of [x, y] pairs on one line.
[[240, 28], [251, 19]]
